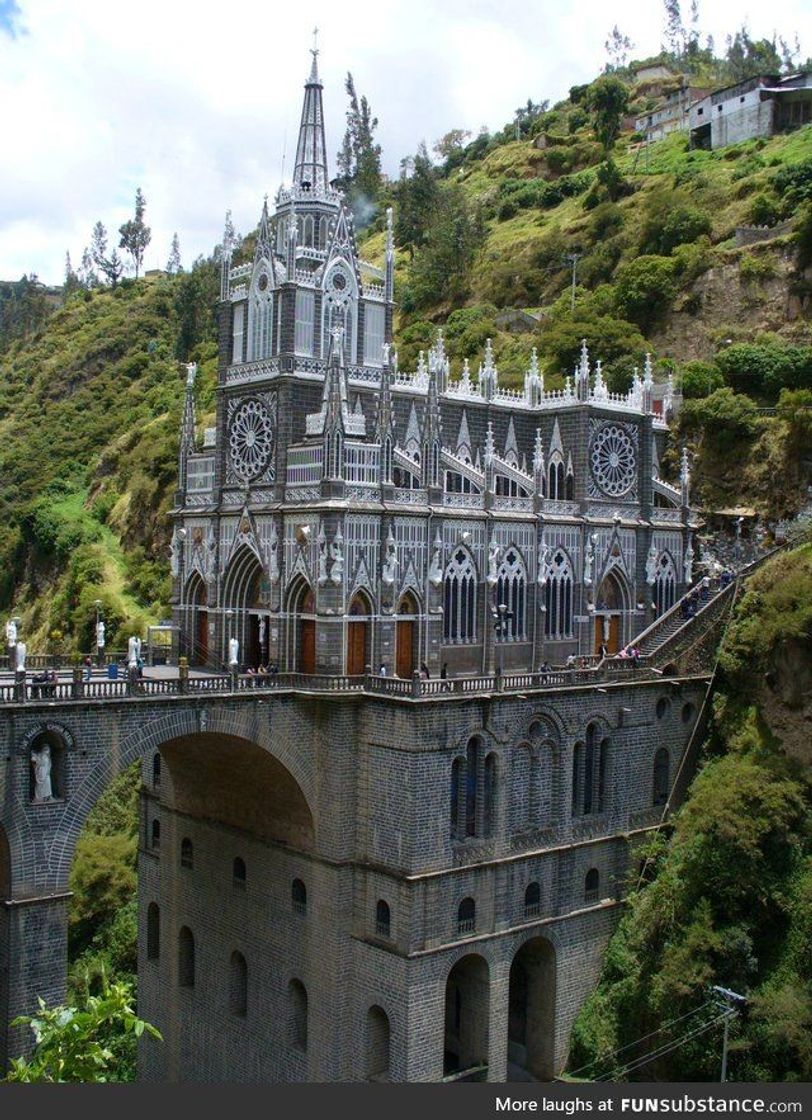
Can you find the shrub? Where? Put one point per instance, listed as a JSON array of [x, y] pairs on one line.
[[671, 226], [764, 211], [700, 379], [645, 290], [723, 419], [765, 369]]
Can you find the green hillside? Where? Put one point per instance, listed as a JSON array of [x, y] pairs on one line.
[[731, 898]]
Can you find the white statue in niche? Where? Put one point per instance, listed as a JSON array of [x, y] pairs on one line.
[[210, 556], [41, 763], [11, 632], [390, 563], [651, 565], [545, 560], [174, 555], [322, 543], [262, 628], [233, 653], [273, 555], [494, 553], [589, 558], [688, 564], [436, 566], [337, 556], [21, 652]]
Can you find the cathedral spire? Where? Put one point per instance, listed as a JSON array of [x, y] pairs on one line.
[[310, 168]]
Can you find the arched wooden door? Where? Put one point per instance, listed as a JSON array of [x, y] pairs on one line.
[[306, 644], [406, 637], [357, 638], [609, 607]]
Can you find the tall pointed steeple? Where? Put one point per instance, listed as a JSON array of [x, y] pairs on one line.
[[311, 150]]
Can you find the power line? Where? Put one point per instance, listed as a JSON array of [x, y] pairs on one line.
[[666, 1048], [671, 1022]]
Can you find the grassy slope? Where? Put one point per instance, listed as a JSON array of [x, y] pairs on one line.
[[89, 415], [731, 903]]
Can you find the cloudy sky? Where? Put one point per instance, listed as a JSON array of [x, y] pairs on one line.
[[198, 103]]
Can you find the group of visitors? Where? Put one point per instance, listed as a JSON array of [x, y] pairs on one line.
[[269, 670]]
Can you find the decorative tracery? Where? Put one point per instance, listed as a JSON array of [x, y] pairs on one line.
[[459, 623], [613, 460], [250, 439], [511, 589], [665, 583], [558, 597]]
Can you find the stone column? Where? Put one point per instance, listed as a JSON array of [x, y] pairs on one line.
[[33, 935]]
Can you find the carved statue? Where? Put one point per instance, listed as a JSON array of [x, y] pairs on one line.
[[651, 565], [589, 558], [545, 560], [436, 565], [493, 561], [174, 555], [210, 556], [273, 556], [337, 556], [322, 542], [233, 653], [390, 564], [11, 632], [41, 762], [100, 628], [133, 652], [688, 564], [21, 652], [262, 627]]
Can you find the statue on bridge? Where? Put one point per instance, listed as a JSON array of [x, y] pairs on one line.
[[133, 652], [41, 763], [233, 654], [11, 632], [21, 652]]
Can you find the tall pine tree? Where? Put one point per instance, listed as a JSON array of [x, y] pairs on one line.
[[135, 234]]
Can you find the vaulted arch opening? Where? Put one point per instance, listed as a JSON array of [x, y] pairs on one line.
[[406, 636], [302, 627], [531, 1011], [197, 620], [611, 604], [467, 1008], [358, 635], [242, 602]]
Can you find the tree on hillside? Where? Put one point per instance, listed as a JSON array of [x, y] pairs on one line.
[[112, 267], [452, 143], [72, 281], [617, 47], [674, 30], [747, 58], [173, 264], [359, 160], [452, 237], [416, 196], [607, 100], [135, 234]]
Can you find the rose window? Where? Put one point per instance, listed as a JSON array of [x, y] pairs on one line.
[[250, 439], [613, 464]]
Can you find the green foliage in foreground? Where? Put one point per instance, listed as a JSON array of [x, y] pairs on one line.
[[731, 903], [94, 1042]]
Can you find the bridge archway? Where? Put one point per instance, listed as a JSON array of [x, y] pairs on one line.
[[467, 1010], [531, 1010]]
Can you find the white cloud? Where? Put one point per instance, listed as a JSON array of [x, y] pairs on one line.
[[195, 102]]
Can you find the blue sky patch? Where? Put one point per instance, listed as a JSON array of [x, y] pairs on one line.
[[10, 13]]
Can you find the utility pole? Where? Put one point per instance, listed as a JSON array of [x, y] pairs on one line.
[[572, 259], [731, 1011]]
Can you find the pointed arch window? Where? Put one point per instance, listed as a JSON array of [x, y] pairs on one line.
[[260, 319], [556, 487], [665, 583], [459, 585], [558, 592], [511, 589]]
